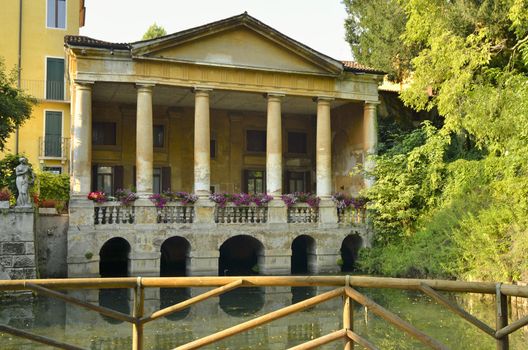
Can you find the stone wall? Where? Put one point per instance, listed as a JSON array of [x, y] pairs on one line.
[[51, 235], [17, 244]]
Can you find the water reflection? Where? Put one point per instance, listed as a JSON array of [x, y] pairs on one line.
[[242, 302], [115, 299], [88, 330], [171, 296], [302, 293]]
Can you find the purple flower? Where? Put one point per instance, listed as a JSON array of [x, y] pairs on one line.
[[159, 200]]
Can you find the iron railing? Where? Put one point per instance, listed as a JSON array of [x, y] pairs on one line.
[[53, 90], [54, 147]]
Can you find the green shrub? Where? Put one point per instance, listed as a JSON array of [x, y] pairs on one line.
[[53, 186], [7, 172]]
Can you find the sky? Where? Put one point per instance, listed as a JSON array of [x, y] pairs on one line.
[[318, 24]]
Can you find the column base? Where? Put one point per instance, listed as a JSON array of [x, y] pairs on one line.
[[327, 213], [277, 212]]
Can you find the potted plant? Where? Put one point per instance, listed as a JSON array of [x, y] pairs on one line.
[[5, 196]]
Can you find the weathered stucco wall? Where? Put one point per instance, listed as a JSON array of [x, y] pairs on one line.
[[51, 235], [347, 148]]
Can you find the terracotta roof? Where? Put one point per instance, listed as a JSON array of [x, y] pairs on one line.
[[79, 40], [351, 66]]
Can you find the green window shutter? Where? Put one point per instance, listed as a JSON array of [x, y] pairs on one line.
[[55, 79], [53, 134]]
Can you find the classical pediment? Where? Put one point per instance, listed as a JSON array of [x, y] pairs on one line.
[[241, 42]]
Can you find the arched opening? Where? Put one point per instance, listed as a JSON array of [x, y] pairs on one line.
[[303, 259], [240, 256], [114, 262], [349, 252], [114, 258], [174, 257]]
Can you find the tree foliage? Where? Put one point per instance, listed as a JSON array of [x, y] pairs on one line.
[[154, 31], [15, 104], [373, 30], [455, 198]]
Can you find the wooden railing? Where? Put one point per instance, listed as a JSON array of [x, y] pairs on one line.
[[351, 215], [113, 213], [175, 213], [302, 213], [345, 287], [231, 214]]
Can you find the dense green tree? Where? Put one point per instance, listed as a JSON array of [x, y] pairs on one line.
[[455, 198], [374, 29], [153, 32], [15, 104]]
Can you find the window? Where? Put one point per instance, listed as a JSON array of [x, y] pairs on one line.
[[56, 14], [57, 170], [54, 78], [159, 136], [212, 146], [297, 181], [297, 142], [256, 141], [105, 179], [53, 134], [156, 180], [255, 181], [103, 133]]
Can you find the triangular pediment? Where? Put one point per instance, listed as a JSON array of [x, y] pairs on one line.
[[239, 41]]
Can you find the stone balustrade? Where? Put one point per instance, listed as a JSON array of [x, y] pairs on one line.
[[351, 216], [175, 213], [250, 214], [302, 213], [114, 213]]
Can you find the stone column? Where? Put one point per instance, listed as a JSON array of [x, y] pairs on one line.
[[277, 211], [204, 208], [144, 141], [82, 141], [370, 137], [324, 149], [327, 208], [202, 139], [274, 146]]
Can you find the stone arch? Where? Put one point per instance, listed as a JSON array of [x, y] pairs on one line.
[[174, 262], [240, 255], [349, 251], [114, 262], [174, 257], [114, 258], [303, 258]]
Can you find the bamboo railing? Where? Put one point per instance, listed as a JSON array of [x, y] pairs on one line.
[[345, 288]]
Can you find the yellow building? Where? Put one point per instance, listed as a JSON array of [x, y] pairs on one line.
[[32, 38]]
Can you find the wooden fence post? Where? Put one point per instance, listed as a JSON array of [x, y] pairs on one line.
[[502, 317], [348, 315], [139, 305]]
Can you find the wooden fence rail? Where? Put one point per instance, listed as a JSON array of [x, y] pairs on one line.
[[346, 289]]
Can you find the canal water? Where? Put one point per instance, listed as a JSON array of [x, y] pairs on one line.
[[89, 330]]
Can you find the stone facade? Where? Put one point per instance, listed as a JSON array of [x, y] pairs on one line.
[[224, 101]]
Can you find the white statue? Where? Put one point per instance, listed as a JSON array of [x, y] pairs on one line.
[[24, 178]]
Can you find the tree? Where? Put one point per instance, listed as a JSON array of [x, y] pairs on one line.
[[373, 30], [462, 190], [15, 104], [154, 31]]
